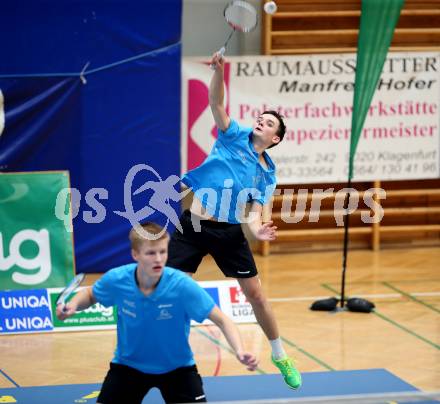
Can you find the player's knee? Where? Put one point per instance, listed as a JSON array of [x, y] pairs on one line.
[[256, 296]]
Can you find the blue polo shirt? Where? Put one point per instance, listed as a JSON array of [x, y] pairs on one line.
[[153, 330], [231, 176]]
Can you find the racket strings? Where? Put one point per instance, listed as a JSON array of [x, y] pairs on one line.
[[75, 282], [241, 16]]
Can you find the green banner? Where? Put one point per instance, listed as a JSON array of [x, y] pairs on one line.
[[94, 317], [378, 21], [36, 251]]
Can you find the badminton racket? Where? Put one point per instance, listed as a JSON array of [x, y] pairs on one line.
[[69, 289], [240, 16]]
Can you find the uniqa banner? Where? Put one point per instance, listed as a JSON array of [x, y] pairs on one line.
[[399, 140], [29, 311], [36, 250]]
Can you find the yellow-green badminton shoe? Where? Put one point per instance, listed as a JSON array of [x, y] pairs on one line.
[[290, 374]]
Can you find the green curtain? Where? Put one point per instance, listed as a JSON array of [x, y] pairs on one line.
[[378, 20]]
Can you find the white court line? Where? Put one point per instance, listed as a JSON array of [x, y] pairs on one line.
[[371, 296], [425, 294], [401, 396]]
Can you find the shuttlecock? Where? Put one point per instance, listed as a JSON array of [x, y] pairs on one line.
[[270, 7]]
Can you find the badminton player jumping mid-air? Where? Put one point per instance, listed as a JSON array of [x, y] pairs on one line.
[[238, 172], [155, 305]]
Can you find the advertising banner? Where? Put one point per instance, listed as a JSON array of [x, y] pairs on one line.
[[231, 300], [36, 250], [28, 311], [96, 317], [24, 311], [399, 140]]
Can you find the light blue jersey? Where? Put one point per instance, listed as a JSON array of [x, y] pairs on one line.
[[153, 330], [231, 176]]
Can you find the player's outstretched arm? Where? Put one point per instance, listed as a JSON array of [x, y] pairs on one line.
[[81, 301], [230, 331], [217, 93]]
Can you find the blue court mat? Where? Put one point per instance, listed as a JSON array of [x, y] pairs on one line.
[[230, 388]]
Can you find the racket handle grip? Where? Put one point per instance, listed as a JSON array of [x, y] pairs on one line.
[[63, 306], [220, 53]]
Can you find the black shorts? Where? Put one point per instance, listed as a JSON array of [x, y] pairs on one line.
[[225, 242], [124, 384]]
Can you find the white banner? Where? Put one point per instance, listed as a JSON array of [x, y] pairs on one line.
[[231, 300], [400, 138]]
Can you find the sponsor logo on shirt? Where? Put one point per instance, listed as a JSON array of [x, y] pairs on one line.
[[164, 314], [242, 155], [129, 303], [128, 312]]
